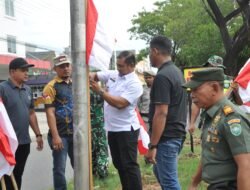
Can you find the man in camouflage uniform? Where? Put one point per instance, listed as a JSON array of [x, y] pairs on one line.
[[225, 157], [99, 140]]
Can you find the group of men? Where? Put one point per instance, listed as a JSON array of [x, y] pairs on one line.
[[166, 116], [225, 129], [225, 158], [18, 101]]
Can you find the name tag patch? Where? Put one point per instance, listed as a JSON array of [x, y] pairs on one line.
[[233, 121]]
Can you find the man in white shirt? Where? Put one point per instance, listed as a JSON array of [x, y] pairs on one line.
[[123, 90]]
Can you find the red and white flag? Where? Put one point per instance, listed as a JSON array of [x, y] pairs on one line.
[[8, 143], [98, 40], [243, 79], [143, 140]]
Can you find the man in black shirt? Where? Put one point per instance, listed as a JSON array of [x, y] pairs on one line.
[[167, 114]]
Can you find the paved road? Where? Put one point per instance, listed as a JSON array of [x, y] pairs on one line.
[[38, 170]]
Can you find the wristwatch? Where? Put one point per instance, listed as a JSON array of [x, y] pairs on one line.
[[152, 146]]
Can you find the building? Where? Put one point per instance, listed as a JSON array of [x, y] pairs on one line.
[[12, 45]]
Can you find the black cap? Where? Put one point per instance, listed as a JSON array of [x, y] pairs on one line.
[[19, 63]]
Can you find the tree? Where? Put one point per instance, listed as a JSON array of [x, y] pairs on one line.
[[234, 28], [195, 35]]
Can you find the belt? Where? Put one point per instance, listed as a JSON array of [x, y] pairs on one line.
[[227, 185]]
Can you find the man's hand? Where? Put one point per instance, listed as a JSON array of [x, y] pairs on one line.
[[191, 128], [95, 86], [150, 156], [39, 141], [57, 143]]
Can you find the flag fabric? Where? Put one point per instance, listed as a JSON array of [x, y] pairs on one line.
[[243, 79], [143, 139], [8, 143], [98, 40]]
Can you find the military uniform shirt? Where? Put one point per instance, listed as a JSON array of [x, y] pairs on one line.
[[144, 100], [225, 133]]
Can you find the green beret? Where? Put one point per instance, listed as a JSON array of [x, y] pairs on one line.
[[204, 75]]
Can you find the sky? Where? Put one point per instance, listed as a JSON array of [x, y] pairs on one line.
[[48, 22]]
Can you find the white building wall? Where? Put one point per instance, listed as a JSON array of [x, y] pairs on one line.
[[11, 26]]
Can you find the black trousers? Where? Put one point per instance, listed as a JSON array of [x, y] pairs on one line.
[[123, 148], [21, 156]]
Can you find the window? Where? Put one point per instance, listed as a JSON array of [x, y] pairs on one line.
[[9, 8], [11, 41]]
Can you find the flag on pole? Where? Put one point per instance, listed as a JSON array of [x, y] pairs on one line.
[[243, 79], [98, 41], [143, 139], [8, 143]]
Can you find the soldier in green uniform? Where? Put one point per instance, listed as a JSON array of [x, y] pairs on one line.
[[225, 159], [99, 141], [214, 61]]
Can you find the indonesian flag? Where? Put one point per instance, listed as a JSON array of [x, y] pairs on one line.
[[143, 140], [98, 41], [243, 79], [8, 143]]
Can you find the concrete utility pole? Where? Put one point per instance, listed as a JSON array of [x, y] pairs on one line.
[[82, 148]]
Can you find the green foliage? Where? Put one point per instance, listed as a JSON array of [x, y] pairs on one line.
[[110, 182], [142, 54], [194, 34]]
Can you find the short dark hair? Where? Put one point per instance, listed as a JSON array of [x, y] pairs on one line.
[[129, 57], [162, 43]]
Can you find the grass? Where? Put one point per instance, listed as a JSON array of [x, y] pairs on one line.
[[187, 165]]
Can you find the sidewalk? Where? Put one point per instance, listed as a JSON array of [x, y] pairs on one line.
[[42, 122]]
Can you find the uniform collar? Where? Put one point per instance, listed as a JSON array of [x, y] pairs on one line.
[[214, 109]]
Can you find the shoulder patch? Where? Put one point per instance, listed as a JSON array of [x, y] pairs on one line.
[[227, 110], [231, 121], [235, 129]]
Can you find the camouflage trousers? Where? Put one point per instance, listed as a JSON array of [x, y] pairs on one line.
[[100, 158]]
